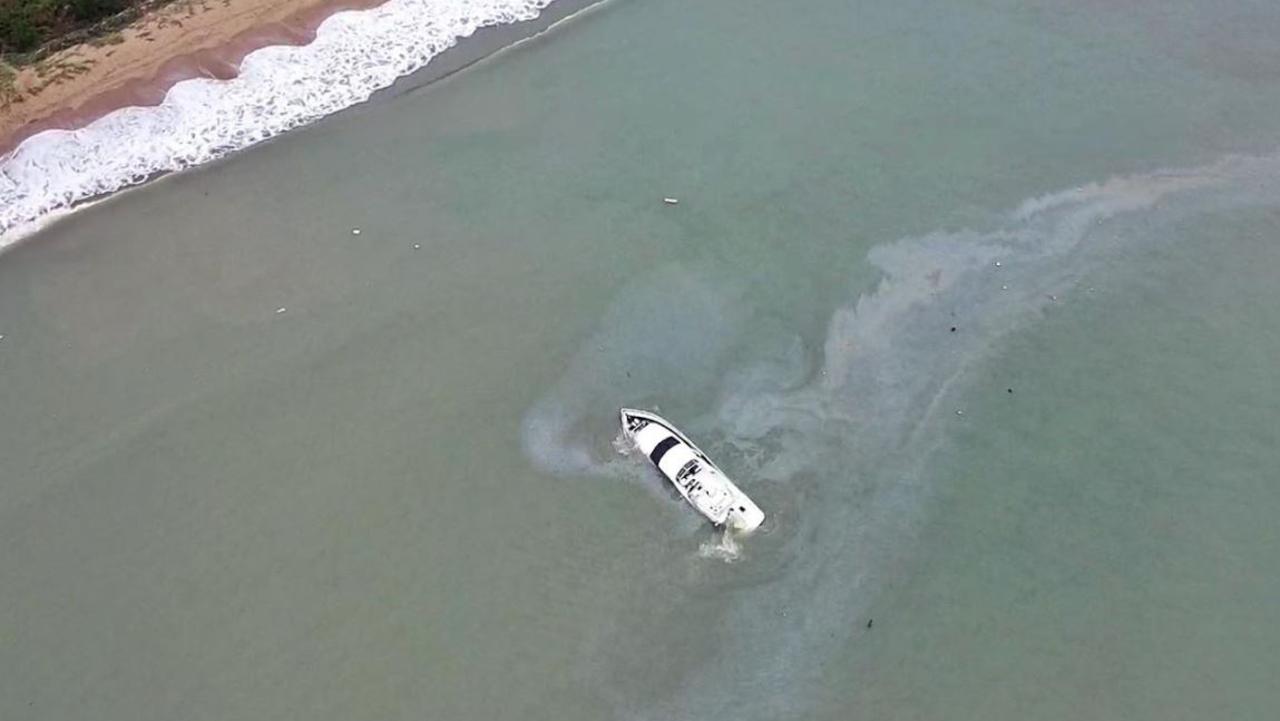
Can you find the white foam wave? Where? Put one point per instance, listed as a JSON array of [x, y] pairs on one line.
[[353, 55]]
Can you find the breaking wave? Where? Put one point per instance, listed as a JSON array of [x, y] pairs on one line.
[[835, 433], [278, 88]]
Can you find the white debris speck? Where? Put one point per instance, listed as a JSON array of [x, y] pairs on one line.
[[959, 412], [998, 264], [417, 246], [671, 201], [1004, 287], [355, 231], [280, 310]]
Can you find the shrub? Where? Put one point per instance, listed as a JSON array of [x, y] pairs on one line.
[[88, 11], [25, 25], [18, 34]]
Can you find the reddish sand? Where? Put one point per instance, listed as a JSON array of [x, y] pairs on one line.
[[187, 39]]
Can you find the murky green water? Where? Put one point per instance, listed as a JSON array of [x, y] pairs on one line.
[[398, 497]]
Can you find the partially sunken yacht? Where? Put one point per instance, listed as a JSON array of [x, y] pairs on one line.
[[700, 481]]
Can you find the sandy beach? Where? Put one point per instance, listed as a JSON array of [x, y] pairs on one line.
[[136, 66], [309, 73]]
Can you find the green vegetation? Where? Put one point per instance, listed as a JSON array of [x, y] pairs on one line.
[[110, 39], [8, 93], [27, 24], [32, 29]]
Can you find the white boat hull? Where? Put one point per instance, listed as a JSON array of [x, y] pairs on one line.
[[701, 483]]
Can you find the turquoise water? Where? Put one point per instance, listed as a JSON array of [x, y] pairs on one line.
[[399, 497]]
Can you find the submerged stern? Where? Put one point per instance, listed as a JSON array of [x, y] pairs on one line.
[[746, 516]]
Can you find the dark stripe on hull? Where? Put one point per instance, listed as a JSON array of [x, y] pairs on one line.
[[661, 449]]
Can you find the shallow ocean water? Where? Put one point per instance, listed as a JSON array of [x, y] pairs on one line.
[[400, 498]]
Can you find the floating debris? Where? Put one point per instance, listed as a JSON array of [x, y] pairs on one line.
[[1004, 287], [959, 412], [870, 621], [280, 310], [671, 201], [953, 329], [998, 264], [1009, 389], [355, 231], [417, 246]]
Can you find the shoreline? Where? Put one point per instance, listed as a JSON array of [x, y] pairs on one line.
[[465, 50], [223, 43], [482, 44], [137, 70]]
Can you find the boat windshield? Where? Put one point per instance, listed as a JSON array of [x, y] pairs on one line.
[[688, 469]]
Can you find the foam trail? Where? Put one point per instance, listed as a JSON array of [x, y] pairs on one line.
[[891, 371], [845, 438], [725, 547], [637, 350], [353, 55]]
